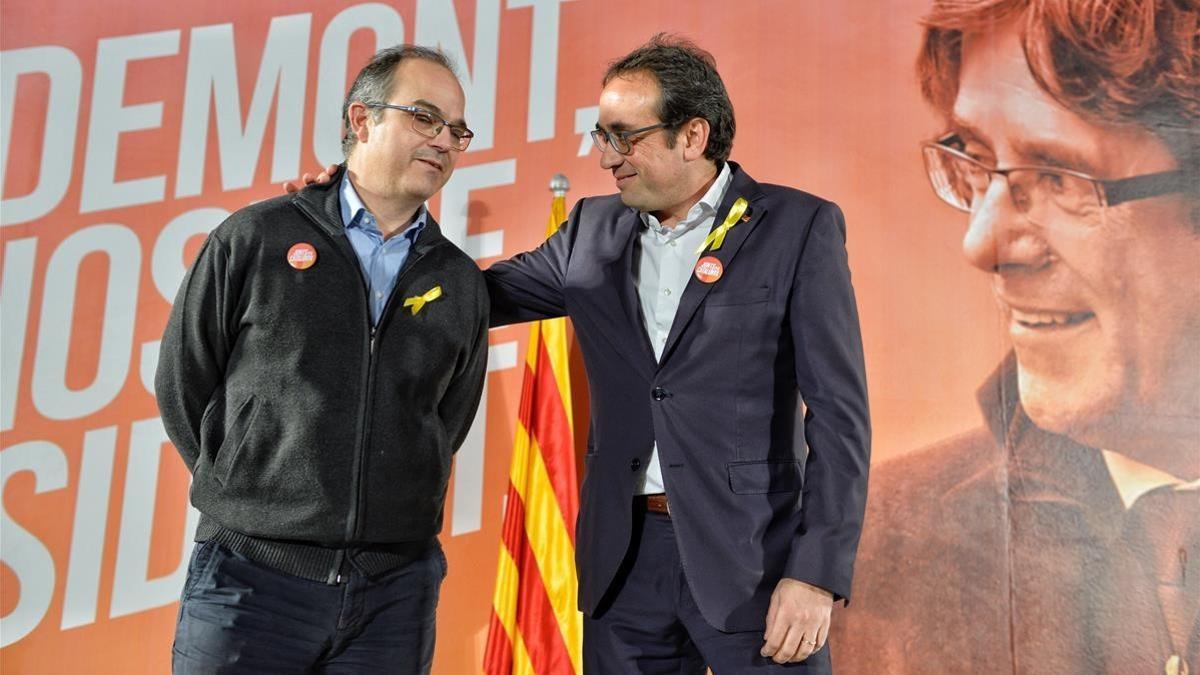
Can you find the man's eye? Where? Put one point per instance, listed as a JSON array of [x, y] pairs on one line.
[[424, 118], [978, 153], [459, 132], [1051, 180], [971, 147]]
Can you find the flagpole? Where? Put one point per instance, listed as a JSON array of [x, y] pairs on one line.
[[559, 185]]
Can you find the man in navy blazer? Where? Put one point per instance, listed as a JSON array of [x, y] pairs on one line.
[[727, 462]]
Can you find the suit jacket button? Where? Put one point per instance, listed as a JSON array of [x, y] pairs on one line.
[[658, 393], [635, 464]]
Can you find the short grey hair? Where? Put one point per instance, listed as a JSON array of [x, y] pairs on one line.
[[374, 82]]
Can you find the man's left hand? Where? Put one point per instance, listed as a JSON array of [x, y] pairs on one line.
[[797, 621]]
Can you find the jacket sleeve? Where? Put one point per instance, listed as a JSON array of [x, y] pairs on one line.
[[529, 286], [195, 348], [461, 399], [832, 381]]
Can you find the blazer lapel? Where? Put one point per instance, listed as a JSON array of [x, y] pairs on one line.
[[631, 341], [627, 288], [696, 290]]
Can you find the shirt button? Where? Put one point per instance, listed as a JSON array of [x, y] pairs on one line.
[[635, 464], [379, 294], [673, 242], [667, 291]]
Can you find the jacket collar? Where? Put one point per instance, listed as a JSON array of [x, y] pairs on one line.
[[323, 204], [1060, 478]]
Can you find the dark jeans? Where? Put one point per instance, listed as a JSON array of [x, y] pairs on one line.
[[237, 616], [651, 623]]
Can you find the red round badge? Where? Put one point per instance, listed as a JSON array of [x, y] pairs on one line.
[[709, 269], [302, 256]]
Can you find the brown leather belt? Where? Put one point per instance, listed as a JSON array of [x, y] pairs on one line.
[[656, 503]]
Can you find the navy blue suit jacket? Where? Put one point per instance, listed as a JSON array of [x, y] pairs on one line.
[[759, 402]]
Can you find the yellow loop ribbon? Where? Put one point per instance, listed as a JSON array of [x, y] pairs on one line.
[[418, 301], [717, 236]]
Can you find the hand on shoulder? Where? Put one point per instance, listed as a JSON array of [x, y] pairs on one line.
[[307, 179]]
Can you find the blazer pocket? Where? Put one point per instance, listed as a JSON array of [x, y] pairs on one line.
[[738, 297], [762, 477], [235, 438]]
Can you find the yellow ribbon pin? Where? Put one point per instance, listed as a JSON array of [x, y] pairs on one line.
[[717, 236], [418, 301]]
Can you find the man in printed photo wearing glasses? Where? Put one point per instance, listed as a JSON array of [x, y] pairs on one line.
[[323, 361], [1065, 536]]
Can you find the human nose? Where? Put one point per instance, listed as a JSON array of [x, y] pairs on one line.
[[610, 158], [443, 140], [1000, 238]]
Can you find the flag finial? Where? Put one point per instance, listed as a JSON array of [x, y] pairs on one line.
[[559, 185]]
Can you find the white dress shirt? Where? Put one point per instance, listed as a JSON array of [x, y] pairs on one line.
[[664, 260]]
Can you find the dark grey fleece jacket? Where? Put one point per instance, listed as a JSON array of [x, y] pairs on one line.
[[299, 423]]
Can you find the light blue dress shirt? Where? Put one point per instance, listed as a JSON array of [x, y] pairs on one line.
[[380, 259], [665, 259]]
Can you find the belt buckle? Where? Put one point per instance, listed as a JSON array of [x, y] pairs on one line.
[[658, 503]]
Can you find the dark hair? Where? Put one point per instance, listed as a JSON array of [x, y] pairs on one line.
[[374, 82], [690, 87], [1110, 61]]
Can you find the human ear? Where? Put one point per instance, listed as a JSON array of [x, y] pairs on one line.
[[695, 138], [358, 114]]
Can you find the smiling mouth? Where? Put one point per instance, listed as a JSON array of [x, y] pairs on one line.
[[1044, 320], [430, 162]]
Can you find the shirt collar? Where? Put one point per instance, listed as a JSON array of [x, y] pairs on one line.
[[356, 215], [707, 206], [1134, 479]]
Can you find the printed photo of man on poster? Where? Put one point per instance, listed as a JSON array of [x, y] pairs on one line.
[[1065, 536]]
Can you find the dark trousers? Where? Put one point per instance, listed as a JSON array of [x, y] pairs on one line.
[[650, 622], [237, 616]]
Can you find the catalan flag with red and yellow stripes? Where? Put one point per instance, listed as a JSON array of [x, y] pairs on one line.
[[535, 626]]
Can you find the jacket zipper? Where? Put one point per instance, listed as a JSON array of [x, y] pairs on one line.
[[369, 393], [364, 418]]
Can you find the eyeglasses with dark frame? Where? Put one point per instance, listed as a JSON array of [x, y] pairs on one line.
[[620, 140], [429, 124], [1045, 195]]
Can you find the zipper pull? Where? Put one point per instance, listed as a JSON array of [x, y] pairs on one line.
[[335, 574]]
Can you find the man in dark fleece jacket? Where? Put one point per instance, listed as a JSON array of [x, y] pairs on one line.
[[323, 361]]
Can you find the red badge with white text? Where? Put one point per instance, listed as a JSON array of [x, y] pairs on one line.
[[302, 256], [709, 269]]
